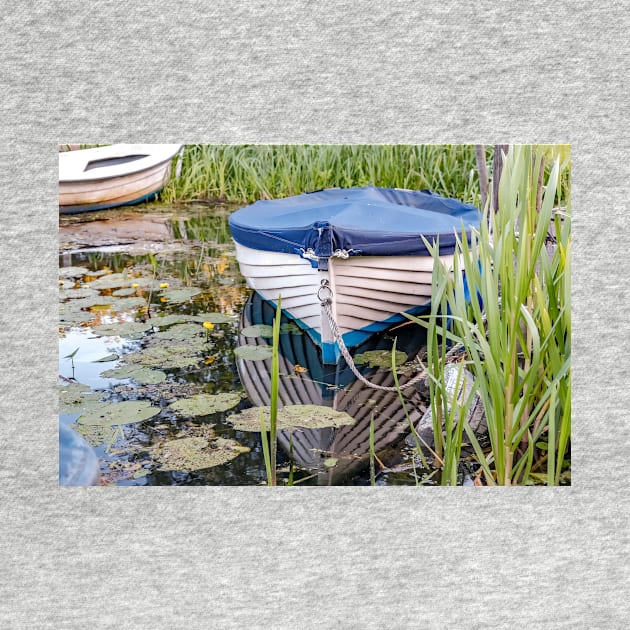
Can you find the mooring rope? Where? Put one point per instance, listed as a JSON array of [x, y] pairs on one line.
[[326, 301]]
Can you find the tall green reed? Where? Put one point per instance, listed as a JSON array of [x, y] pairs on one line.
[[507, 300]]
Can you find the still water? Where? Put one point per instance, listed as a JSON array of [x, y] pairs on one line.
[[154, 313]]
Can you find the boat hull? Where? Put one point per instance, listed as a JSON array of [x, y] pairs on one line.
[[118, 175], [368, 294]]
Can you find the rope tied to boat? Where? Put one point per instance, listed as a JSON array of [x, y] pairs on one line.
[[325, 295]]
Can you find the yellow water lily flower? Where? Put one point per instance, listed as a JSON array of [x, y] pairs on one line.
[[60, 282], [299, 369], [135, 285], [163, 299], [208, 325], [210, 360], [163, 285]]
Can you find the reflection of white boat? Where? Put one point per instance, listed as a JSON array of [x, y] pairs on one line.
[[360, 250], [114, 175], [334, 386]]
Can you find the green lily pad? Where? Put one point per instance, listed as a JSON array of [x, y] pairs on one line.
[[180, 332], [95, 435], [165, 356], [112, 281], [258, 330], [142, 376], [90, 302], [205, 404], [291, 417], [169, 320], [73, 317], [73, 272], [213, 318], [380, 358], [143, 472], [290, 328], [130, 330], [128, 412], [124, 292], [196, 453], [77, 397], [75, 294], [128, 303], [180, 295], [107, 359], [253, 353]]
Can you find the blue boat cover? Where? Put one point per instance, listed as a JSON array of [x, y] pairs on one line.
[[359, 221]]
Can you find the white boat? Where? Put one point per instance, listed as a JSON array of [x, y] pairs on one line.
[[114, 175], [356, 255]]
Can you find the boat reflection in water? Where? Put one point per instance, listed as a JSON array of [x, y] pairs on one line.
[[306, 380]]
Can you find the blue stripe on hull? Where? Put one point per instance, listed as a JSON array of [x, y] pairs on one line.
[[104, 206]]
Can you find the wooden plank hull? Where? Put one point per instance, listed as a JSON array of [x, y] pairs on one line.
[[369, 293], [118, 175]]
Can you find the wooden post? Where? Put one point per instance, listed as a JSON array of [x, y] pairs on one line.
[[497, 167], [482, 171]]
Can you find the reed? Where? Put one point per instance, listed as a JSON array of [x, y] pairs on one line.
[[246, 173], [507, 300]]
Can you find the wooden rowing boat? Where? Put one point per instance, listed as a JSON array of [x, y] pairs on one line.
[[114, 175], [355, 256]]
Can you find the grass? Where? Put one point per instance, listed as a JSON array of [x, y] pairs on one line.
[[246, 173], [515, 329]]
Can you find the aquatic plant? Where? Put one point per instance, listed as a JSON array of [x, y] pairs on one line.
[[245, 173], [507, 302]]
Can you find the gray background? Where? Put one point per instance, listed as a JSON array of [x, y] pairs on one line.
[[313, 72]]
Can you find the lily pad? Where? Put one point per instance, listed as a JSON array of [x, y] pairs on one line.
[[77, 397], [253, 353], [130, 330], [124, 292], [291, 417], [205, 404], [142, 376], [169, 320], [90, 302], [165, 356], [180, 295], [75, 294], [112, 281], [180, 332], [107, 359], [196, 453], [213, 318], [95, 435], [258, 330], [128, 303], [380, 358], [128, 412], [73, 272]]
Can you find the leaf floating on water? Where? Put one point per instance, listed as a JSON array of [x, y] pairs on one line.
[[292, 416], [107, 359], [180, 295], [206, 404], [112, 281], [95, 435], [196, 453], [143, 376], [213, 318], [73, 272], [380, 358], [253, 353], [330, 462], [128, 412], [180, 332], [130, 330], [124, 292], [169, 320], [75, 294], [165, 356], [76, 397], [258, 330], [290, 328], [143, 472]]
